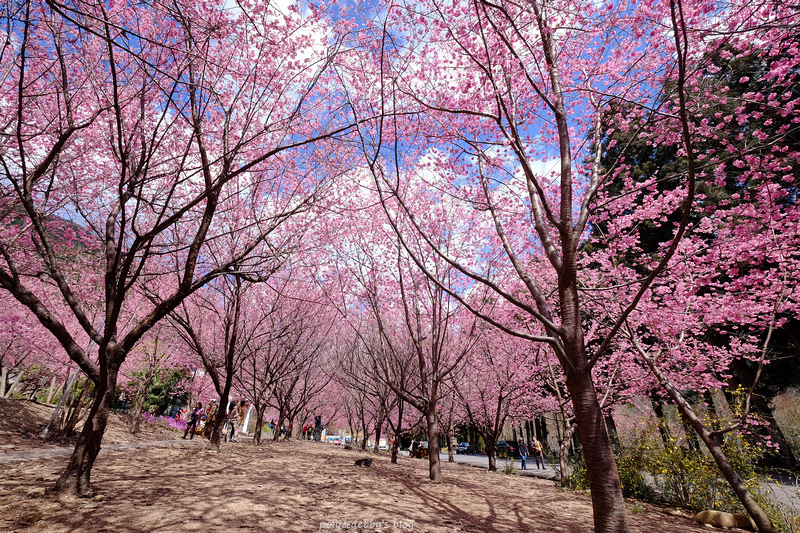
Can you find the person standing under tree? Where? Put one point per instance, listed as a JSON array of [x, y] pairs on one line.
[[193, 419], [210, 417], [233, 422], [523, 454], [537, 453], [243, 407]]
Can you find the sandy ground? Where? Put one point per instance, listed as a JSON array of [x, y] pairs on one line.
[[284, 486]]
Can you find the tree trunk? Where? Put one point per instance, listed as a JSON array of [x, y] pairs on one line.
[[611, 427], [76, 477], [378, 427], [13, 386], [364, 429], [608, 504], [541, 424], [3, 378], [246, 422], [758, 404], [75, 412], [528, 439], [763, 523], [434, 464], [563, 456], [137, 411], [397, 433], [277, 433], [450, 456], [52, 390], [490, 452], [219, 420], [259, 422], [661, 422]]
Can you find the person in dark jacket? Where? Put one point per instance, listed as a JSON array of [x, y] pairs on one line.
[[523, 454]]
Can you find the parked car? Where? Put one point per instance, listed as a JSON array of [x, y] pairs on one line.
[[506, 450], [464, 447]]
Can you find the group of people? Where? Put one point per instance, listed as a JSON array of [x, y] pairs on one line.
[[536, 453], [201, 420], [313, 432]]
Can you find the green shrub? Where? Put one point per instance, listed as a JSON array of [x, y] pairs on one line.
[[677, 476], [630, 462]]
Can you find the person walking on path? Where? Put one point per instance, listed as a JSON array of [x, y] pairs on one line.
[[523, 454], [233, 422], [242, 416], [537, 453], [193, 419]]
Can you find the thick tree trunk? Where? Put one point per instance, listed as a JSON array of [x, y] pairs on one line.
[[608, 504], [215, 437], [434, 464], [76, 477]]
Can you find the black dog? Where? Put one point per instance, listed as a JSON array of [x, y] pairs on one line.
[[364, 462]]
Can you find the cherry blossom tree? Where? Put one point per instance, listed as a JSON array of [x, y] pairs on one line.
[[279, 318], [149, 358], [212, 324], [494, 382], [310, 347], [156, 129], [502, 106]]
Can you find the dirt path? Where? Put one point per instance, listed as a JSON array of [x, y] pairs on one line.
[[9, 455], [290, 486]]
